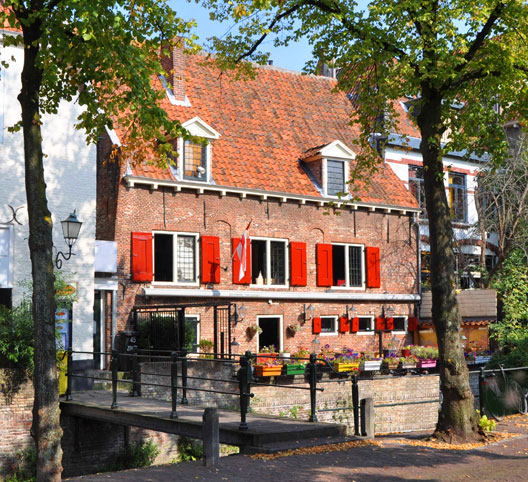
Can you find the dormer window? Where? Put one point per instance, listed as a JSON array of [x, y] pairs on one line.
[[328, 166], [195, 161]]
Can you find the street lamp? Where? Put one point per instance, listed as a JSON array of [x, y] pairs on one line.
[[70, 230]]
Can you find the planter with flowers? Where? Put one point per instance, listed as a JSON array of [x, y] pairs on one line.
[[267, 353], [406, 351], [391, 362], [408, 362], [297, 363], [271, 368], [370, 363], [347, 361], [427, 356]]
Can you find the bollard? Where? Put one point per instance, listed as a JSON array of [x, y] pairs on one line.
[[312, 378], [355, 403], [244, 385], [367, 417], [113, 366], [184, 400], [69, 370], [210, 437], [174, 384]]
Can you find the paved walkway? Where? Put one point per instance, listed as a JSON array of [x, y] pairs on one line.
[[391, 461]]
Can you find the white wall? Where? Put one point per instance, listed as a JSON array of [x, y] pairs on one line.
[[71, 184]]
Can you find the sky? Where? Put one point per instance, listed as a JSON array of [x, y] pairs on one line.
[[292, 57]]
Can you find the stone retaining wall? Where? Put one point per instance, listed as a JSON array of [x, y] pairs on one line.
[[402, 397]]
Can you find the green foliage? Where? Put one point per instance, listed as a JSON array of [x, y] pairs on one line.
[[16, 347], [486, 424], [23, 466], [189, 449], [137, 455], [511, 332]]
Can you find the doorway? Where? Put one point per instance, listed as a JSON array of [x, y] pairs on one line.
[[271, 334]]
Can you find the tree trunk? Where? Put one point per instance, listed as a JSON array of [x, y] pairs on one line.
[[457, 418], [46, 429]]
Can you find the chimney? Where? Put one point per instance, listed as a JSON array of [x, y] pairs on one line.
[[174, 65]]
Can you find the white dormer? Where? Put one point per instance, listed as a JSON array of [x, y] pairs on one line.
[[330, 166], [194, 159]]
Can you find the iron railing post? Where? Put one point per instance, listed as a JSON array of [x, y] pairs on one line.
[[481, 391], [184, 400], [174, 384], [135, 372], [113, 366], [69, 371], [244, 379], [312, 377], [355, 403]]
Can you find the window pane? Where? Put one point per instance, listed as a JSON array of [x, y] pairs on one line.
[[163, 257], [399, 323], [186, 259], [191, 333], [258, 262], [338, 265], [335, 177], [458, 197], [354, 265], [194, 165], [365, 323], [278, 272], [328, 324]]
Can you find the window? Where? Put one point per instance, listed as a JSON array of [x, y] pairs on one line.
[[6, 297], [335, 181], [416, 186], [192, 332], [400, 323], [194, 161], [457, 197], [175, 257], [328, 325], [366, 324], [268, 262], [347, 265]]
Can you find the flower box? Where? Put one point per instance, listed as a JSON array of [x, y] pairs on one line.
[[264, 358], [406, 352], [346, 367], [265, 371], [391, 364], [407, 366], [426, 363], [295, 368], [370, 365], [482, 359]]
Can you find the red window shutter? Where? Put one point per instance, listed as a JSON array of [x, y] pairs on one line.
[[412, 323], [246, 279], [355, 325], [344, 324], [142, 257], [316, 324], [373, 267], [210, 259], [380, 323], [298, 264], [389, 323], [324, 265]]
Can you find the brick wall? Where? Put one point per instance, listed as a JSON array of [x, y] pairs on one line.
[[141, 209], [15, 422], [395, 393]]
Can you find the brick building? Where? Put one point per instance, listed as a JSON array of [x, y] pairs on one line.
[[277, 152]]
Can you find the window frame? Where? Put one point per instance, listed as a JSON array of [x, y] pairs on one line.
[[405, 325], [196, 316], [335, 331], [268, 262], [345, 172], [347, 267], [453, 190], [204, 161], [197, 255], [420, 188], [372, 330], [281, 330]]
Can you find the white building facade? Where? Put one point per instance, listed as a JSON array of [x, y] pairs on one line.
[[70, 173]]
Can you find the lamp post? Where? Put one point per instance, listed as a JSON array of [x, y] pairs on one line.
[[70, 230]]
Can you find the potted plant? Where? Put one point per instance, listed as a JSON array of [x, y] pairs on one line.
[[252, 330], [297, 363], [427, 356], [370, 363], [347, 361], [270, 368], [267, 353], [406, 351], [391, 361], [206, 348], [408, 362]]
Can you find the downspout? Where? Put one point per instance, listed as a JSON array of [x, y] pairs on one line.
[[418, 303], [114, 317]]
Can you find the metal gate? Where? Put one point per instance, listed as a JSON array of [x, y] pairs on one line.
[[162, 327]]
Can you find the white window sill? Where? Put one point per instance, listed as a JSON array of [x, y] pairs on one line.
[[399, 332], [366, 333], [329, 334], [268, 286], [341, 288], [172, 284]]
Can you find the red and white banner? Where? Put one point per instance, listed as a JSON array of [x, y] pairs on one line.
[[240, 251]]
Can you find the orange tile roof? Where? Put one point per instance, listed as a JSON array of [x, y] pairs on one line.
[[267, 125]]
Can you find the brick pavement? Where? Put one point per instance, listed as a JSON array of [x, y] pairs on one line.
[[392, 461]]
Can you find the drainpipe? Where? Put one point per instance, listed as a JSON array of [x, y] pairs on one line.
[[114, 317], [416, 226]]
